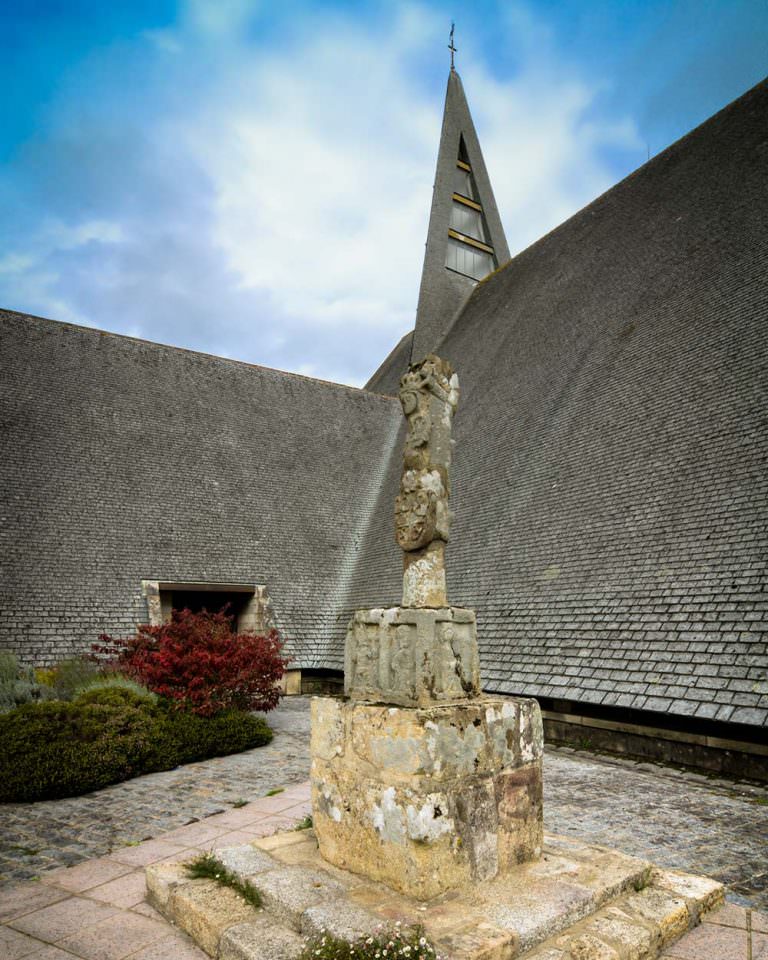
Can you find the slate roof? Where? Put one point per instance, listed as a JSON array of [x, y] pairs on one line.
[[124, 460], [610, 481], [611, 470], [386, 380]]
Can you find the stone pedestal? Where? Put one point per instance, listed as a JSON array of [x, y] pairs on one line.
[[427, 799], [412, 657]]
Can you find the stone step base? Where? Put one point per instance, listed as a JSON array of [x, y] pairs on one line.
[[579, 902]]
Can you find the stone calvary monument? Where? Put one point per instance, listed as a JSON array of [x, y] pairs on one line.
[[418, 780], [427, 795]]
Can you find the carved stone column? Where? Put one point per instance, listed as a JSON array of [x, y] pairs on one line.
[[418, 780]]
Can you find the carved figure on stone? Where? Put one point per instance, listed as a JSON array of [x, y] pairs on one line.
[[415, 518], [429, 394], [445, 665], [462, 646], [363, 664], [401, 675]]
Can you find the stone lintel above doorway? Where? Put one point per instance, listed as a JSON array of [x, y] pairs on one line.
[[252, 600]]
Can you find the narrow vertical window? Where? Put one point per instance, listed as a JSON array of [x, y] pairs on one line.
[[468, 251]]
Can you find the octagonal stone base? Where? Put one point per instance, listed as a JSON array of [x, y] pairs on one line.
[[427, 799]]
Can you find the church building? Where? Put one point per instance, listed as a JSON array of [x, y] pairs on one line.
[[610, 480]]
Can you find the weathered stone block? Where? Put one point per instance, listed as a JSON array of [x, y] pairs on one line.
[[162, 879], [412, 657], [341, 919], [669, 913], [427, 799], [287, 892], [261, 939], [204, 910], [245, 861], [700, 893]]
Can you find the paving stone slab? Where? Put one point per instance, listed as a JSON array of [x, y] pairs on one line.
[[23, 898], [263, 939], [340, 919], [54, 923], [115, 938], [14, 945], [287, 892], [245, 860]]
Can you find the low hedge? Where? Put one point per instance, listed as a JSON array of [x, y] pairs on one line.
[[60, 749]]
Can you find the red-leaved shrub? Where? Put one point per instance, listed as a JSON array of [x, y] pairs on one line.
[[197, 661]]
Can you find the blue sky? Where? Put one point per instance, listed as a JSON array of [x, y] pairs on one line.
[[253, 179]]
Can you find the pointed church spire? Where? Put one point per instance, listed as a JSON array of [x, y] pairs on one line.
[[465, 240]]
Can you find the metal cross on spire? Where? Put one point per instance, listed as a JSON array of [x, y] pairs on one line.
[[451, 46]]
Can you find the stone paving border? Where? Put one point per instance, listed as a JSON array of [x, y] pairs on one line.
[[97, 911]]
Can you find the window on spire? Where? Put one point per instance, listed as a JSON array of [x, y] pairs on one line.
[[468, 260], [468, 251], [468, 219]]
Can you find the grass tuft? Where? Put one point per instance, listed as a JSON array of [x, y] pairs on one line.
[[304, 824], [272, 793], [208, 867]]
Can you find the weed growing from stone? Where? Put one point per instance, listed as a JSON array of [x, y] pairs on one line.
[[394, 943], [304, 824], [272, 793], [240, 803], [207, 867], [642, 882]]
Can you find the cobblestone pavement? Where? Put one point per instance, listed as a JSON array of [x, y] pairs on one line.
[[675, 819]]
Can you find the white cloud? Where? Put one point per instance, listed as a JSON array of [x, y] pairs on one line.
[[15, 263], [67, 236], [273, 204], [322, 159]]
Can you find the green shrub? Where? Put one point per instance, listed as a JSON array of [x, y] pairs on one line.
[[9, 667], [112, 681], [217, 736], [72, 676], [392, 943], [45, 676], [187, 737], [115, 696], [63, 749], [18, 684]]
